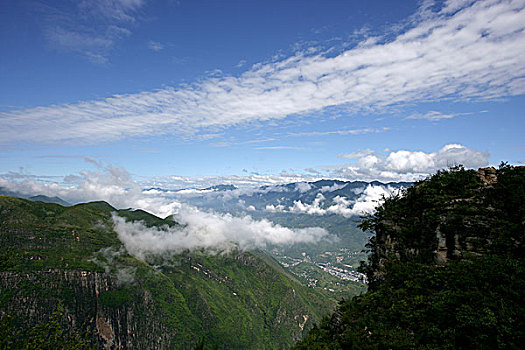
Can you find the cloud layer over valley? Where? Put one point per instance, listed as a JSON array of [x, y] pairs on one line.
[[213, 227], [198, 229], [211, 232]]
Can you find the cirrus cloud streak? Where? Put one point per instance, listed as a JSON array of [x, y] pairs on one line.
[[465, 51]]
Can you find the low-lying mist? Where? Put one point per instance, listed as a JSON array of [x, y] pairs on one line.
[[215, 233]]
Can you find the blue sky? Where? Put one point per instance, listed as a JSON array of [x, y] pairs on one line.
[[200, 92]]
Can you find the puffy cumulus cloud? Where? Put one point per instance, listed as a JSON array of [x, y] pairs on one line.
[[371, 198], [212, 232], [313, 209], [274, 208], [454, 154], [459, 51], [405, 165], [449, 155], [368, 200], [407, 161], [368, 161]]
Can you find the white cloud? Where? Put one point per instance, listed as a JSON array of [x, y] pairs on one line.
[[120, 10], [449, 155], [274, 208], [213, 232], [116, 186], [339, 132], [199, 229], [435, 115], [108, 259], [385, 166], [454, 154], [90, 28], [155, 45], [407, 165], [407, 161], [354, 155], [313, 209], [245, 182], [332, 188], [371, 198], [467, 51], [303, 187], [368, 161], [108, 183], [366, 203]]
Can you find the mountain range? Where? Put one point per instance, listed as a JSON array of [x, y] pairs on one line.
[[69, 261], [445, 270]]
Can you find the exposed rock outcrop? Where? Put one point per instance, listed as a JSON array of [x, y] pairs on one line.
[[449, 216], [131, 325]]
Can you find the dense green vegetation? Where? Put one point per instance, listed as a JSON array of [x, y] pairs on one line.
[[71, 255], [49, 334], [446, 267]]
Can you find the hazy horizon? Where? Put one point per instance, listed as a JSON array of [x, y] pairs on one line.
[[161, 93]]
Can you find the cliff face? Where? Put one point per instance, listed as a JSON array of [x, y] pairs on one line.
[[70, 259], [446, 268], [451, 216], [132, 325]]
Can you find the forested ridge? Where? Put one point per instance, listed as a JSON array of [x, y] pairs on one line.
[[446, 268]]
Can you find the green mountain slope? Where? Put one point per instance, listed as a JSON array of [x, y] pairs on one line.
[[446, 269], [69, 260]]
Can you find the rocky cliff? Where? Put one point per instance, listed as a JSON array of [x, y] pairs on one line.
[[446, 268], [452, 215], [32, 295]]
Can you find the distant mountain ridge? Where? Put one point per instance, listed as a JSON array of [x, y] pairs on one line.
[[46, 199], [226, 197], [330, 204], [35, 197]]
